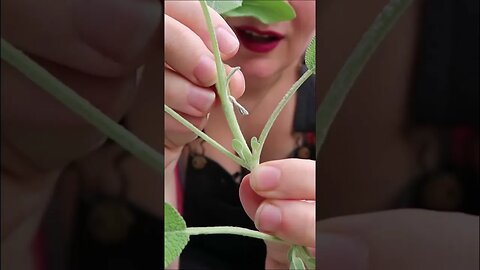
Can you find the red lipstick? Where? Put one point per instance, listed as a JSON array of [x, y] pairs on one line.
[[257, 40]]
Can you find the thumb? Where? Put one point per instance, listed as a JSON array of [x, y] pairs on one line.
[[399, 240]]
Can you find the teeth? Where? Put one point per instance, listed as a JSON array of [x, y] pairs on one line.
[[255, 34]]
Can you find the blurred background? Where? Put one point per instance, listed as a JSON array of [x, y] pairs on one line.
[[407, 135]]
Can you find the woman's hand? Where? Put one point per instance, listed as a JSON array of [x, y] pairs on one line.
[[190, 70], [398, 240], [280, 197]]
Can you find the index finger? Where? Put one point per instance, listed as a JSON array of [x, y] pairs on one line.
[[191, 15]]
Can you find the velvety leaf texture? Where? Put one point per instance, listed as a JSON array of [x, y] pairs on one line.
[[224, 6], [265, 11], [175, 237], [297, 264], [300, 259], [238, 147], [255, 144], [310, 55]]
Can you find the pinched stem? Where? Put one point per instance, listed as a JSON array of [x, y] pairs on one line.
[[81, 106], [278, 109], [232, 230], [204, 136], [222, 85]]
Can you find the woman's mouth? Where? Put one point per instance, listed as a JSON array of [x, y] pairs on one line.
[[257, 40]]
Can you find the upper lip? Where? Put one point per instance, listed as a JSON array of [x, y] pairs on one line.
[[260, 32]]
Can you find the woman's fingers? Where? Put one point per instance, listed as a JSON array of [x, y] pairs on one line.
[[292, 220], [183, 96], [249, 199], [191, 15], [397, 240], [186, 53], [285, 179], [177, 135], [279, 196], [277, 256], [190, 101]]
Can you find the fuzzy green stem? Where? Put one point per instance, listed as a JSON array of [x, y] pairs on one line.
[[354, 65], [81, 106], [222, 86], [204, 136], [232, 230], [276, 112]]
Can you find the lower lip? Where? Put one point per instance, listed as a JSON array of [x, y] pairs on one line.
[[259, 47]]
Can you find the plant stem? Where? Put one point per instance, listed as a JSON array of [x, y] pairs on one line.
[[232, 230], [81, 106], [204, 136], [354, 65], [276, 112], [222, 86]]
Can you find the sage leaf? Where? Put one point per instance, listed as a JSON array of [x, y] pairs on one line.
[[265, 11], [255, 144], [224, 6], [302, 253], [290, 253], [175, 237], [238, 147], [296, 253], [297, 264], [310, 55]]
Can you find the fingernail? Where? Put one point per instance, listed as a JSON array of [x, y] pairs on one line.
[[337, 252], [268, 218], [227, 42], [201, 99], [205, 71], [265, 178]]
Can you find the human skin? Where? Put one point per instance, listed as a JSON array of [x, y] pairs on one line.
[[257, 87], [282, 203]]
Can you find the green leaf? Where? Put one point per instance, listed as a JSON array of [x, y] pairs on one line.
[[290, 253], [297, 264], [308, 260], [224, 6], [175, 237], [255, 144], [296, 253], [265, 11], [238, 147], [310, 55]]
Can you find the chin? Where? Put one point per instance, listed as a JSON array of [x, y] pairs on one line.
[[258, 69]]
